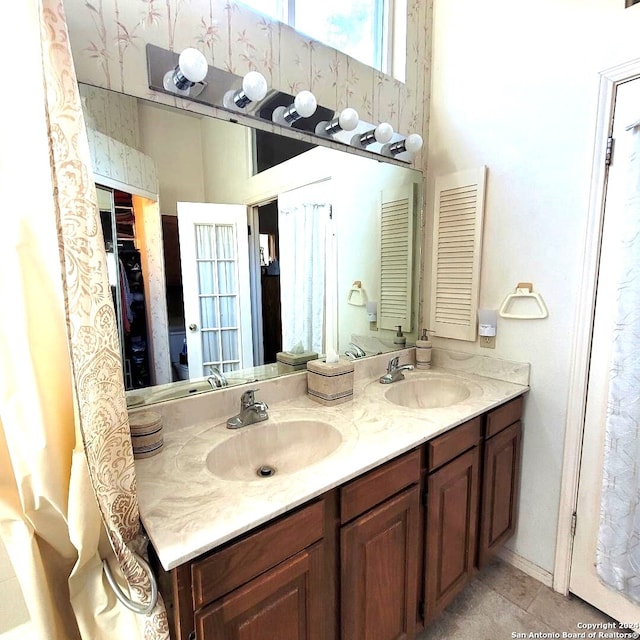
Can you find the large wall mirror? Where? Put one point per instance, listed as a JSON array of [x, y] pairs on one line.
[[216, 237]]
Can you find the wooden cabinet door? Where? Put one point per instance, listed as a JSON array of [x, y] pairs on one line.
[[500, 485], [452, 520], [285, 603], [379, 565]]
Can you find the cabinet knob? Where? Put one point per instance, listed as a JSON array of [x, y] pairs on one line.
[[193, 327]]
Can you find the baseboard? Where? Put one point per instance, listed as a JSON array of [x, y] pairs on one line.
[[526, 566]]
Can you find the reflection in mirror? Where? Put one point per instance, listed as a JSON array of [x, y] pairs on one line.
[[225, 233]]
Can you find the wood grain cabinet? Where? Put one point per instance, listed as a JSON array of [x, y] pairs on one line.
[[374, 559], [451, 515], [379, 552], [501, 477]]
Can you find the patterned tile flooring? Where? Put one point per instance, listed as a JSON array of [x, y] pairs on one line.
[[502, 602]]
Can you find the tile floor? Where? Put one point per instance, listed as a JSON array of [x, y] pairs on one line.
[[503, 602]]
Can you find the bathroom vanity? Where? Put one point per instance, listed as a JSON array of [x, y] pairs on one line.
[[372, 540]]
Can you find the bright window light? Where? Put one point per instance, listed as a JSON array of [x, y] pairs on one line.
[[360, 28]]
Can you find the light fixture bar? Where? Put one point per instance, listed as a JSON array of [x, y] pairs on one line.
[[323, 124]]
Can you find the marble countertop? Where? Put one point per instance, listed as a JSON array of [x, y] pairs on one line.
[[187, 510]]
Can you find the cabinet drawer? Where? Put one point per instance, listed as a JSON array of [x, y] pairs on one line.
[[238, 563], [363, 493], [451, 444], [503, 416]]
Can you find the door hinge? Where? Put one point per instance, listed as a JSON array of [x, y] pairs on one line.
[[249, 229], [608, 158], [421, 609], [574, 520]]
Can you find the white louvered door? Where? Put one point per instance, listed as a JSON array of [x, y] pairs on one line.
[[457, 245], [396, 257]]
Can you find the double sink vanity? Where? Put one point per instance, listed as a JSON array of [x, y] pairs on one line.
[[361, 520]]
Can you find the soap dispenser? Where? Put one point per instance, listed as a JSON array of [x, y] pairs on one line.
[[423, 351], [400, 339]]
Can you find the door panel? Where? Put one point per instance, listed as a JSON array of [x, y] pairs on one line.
[[584, 581], [214, 254], [379, 553], [452, 520]]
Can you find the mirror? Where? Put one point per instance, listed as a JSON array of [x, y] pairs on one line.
[[203, 163]]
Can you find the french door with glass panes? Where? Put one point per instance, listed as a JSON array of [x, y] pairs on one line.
[[214, 257]]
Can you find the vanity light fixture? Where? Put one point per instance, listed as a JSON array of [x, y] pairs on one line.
[[412, 143], [304, 106], [346, 121], [254, 89], [382, 134], [191, 70]]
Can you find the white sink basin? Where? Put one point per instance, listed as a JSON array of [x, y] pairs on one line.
[[282, 446], [428, 392]]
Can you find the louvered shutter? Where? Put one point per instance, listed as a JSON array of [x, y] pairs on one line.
[[457, 245], [396, 257]]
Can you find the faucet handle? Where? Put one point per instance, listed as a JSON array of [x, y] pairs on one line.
[[248, 397], [393, 364]]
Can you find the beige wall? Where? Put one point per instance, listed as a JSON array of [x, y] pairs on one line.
[[515, 87]]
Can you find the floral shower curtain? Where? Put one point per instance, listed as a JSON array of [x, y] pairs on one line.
[[67, 479], [618, 548]]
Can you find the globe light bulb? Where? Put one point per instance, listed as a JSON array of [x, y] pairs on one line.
[[192, 68], [305, 104], [413, 143], [254, 86], [383, 132], [193, 65], [254, 89], [348, 119]]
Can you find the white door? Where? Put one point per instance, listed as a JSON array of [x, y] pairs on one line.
[[214, 255], [584, 581]]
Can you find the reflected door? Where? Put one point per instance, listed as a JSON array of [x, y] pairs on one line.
[[215, 278]]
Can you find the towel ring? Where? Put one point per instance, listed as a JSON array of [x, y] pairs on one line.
[[136, 607]]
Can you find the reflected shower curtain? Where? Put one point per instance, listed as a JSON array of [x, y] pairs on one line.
[[302, 217], [67, 478], [618, 548]]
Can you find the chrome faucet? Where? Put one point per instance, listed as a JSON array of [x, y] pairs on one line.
[[354, 351], [251, 410], [394, 372], [216, 379]]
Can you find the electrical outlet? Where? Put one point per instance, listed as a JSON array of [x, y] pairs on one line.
[[489, 342]]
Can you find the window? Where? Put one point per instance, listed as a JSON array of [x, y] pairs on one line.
[[360, 28]]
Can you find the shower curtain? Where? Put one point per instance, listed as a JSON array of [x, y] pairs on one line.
[[618, 547], [67, 477], [302, 218]]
